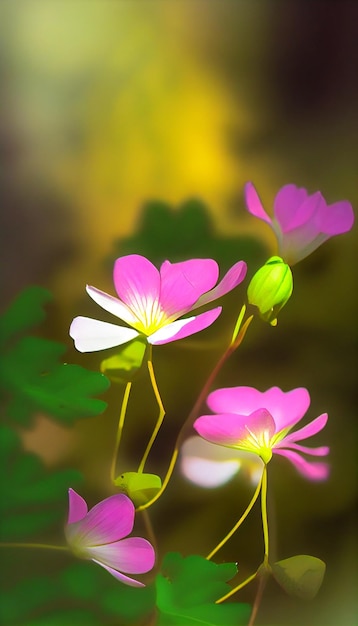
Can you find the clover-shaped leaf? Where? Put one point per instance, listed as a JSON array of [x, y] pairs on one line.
[[35, 380], [300, 575], [32, 376], [188, 588]]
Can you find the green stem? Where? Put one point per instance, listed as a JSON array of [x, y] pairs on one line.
[[237, 588], [239, 522], [264, 515], [187, 426], [264, 568], [36, 546], [120, 429], [159, 420]]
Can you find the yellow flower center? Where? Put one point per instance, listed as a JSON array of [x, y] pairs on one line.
[[260, 444], [150, 316]]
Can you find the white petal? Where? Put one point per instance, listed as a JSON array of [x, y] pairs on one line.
[[91, 335], [170, 330], [208, 473], [112, 305]]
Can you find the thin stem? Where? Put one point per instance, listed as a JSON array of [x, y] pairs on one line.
[[36, 546], [149, 530], [159, 420], [240, 521], [120, 429], [237, 588], [186, 428], [264, 515], [164, 484], [258, 598], [264, 568]]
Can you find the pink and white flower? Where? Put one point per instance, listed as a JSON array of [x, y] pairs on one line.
[[151, 301], [301, 222], [101, 536], [260, 423]]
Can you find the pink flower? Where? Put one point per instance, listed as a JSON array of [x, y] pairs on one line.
[[301, 222], [99, 534], [151, 301], [247, 419]]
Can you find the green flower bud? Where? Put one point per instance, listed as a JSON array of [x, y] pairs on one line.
[[270, 288]]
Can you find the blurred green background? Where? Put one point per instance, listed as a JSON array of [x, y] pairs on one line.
[[132, 126]]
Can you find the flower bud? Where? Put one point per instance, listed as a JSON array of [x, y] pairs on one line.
[[270, 288]]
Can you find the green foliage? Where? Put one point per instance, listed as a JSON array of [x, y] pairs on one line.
[[32, 377], [188, 588], [82, 594], [109, 598], [124, 365], [31, 498], [300, 575], [25, 312], [184, 233]]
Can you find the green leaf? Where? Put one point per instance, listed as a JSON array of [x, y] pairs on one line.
[[187, 231], [32, 499], [123, 366], [139, 487], [188, 588], [300, 575], [24, 312], [35, 380], [32, 378]]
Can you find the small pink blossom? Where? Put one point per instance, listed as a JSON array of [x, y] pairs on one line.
[[301, 222], [260, 423], [151, 301], [101, 536]]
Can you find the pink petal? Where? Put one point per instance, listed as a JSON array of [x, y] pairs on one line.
[[234, 430], [254, 204], [290, 207], [240, 400], [183, 283], [309, 430], [184, 328], [133, 555], [232, 278], [112, 305], [338, 218], [312, 471], [287, 408], [108, 521], [77, 507], [320, 451], [121, 577], [91, 335], [137, 282]]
